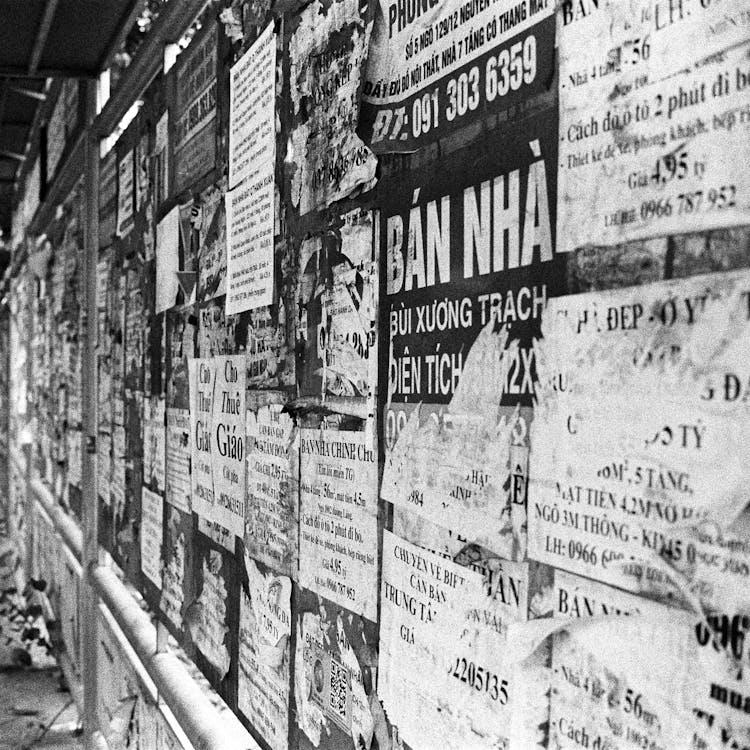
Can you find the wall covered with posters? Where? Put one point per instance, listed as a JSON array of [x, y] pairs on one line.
[[423, 369]]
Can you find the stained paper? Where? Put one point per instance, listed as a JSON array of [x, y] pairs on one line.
[[327, 51], [446, 675], [653, 124], [211, 631], [635, 476], [271, 520], [265, 633]]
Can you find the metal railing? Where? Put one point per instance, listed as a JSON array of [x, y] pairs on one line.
[[206, 726]]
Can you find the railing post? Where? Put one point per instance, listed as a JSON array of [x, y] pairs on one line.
[[88, 610]]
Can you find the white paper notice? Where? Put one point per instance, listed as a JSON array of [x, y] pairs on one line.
[[167, 260], [217, 427], [446, 677], [250, 231], [252, 100], [644, 148], [152, 528], [271, 526], [635, 475], [178, 459], [265, 630], [338, 540]]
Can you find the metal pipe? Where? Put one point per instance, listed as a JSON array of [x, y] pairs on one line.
[[207, 727], [87, 600]]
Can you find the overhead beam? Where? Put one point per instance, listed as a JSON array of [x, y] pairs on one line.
[[41, 35], [16, 71], [4, 154]]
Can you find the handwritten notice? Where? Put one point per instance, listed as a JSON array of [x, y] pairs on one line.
[[217, 426], [152, 529], [252, 101], [265, 631], [653, 131], [271, 519], [178, 459], [250, 230], [635, 476], [338, 541]]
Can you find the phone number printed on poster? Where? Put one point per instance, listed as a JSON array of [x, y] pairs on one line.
[[431, 72]]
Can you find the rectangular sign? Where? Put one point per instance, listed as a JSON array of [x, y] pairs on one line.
[[470, 263], [217, 426], [653, 131], [432, 70], [252, 102], [250, 231], [635, 476], [265, 634], [271, 519], [194, 118], [446, 677], [338, 538], [151, 533]]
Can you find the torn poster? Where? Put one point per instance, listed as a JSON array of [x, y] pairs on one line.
[[195, 109], [334, 675], [271, 518], [435, 70], [252, 108], [646, 681], [338, 299], [250, 231], [74, 456], [217, 428], [174, 573], [154, 443], [160, 159], [211, 628], [107, 198], [328, 51], [338, 539], [653, 131], [446, 677], [212, 244], [125, 194], [178, 459], [470, 263], [265, 634], [151, 534], [635, 479], [167, 260]]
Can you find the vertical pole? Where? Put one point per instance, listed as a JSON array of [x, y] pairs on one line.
[[88, 605], [27, 447]]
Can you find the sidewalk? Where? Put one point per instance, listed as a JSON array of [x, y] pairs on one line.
[[36, 709]]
